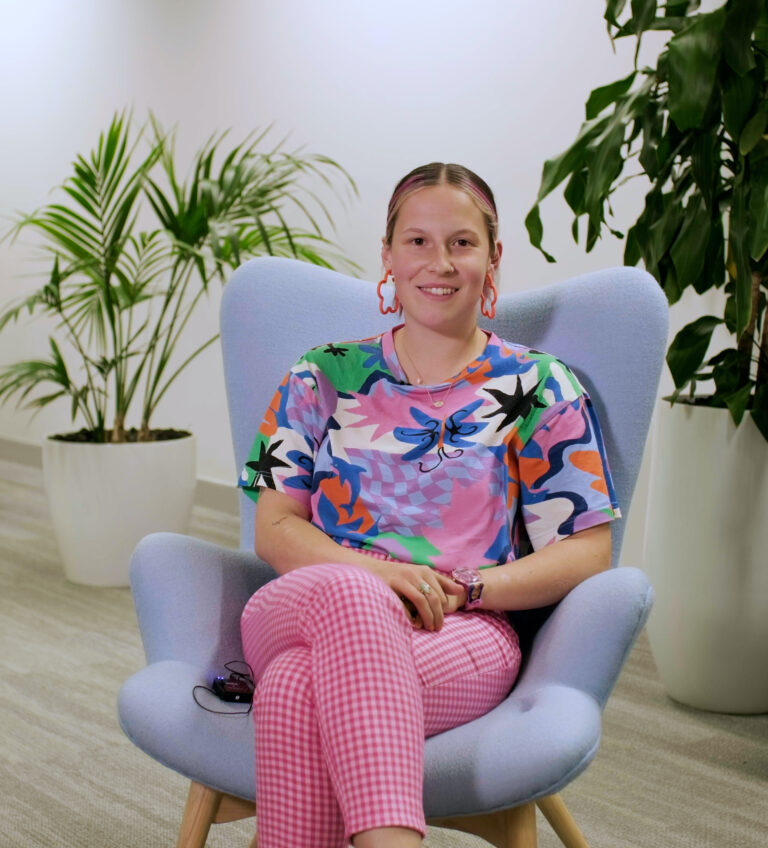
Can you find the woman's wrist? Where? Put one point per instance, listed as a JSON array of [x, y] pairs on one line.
[[472, 584], [461, 599]]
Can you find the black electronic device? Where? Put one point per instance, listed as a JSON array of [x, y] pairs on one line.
[[234, 687]]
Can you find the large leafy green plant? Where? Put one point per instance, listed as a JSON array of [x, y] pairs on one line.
[[695, 125], [122, 293]]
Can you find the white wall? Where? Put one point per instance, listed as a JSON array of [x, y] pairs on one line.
[[498, 85]]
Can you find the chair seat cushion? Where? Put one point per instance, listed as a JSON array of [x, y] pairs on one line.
[[159, 715], [528, 746]]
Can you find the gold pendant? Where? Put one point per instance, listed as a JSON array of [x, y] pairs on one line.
[[437, 403]]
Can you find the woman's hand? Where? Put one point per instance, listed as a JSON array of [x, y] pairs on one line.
[[456, 601], [286, 539], [428, 595]]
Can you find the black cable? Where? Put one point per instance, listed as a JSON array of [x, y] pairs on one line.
[[241, 676]]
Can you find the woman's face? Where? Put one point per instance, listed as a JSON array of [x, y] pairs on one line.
[[439, 257]]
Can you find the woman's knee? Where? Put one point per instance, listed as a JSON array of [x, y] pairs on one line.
[[292, 589], [325, 589], [287, 680], [354, 591]]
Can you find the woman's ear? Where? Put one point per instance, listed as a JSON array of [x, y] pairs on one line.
[[497, 256], [386, 254]]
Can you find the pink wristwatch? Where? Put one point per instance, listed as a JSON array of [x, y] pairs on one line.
[[471, 580]]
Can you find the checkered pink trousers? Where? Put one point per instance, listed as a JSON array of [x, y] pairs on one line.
[[347, 692]]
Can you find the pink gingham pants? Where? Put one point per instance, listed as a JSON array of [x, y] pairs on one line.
[[347, 692]]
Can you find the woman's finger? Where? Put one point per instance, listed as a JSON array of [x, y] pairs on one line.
[[421, 588], [416, 602], [424, 574], [449, 585], [431, 597]]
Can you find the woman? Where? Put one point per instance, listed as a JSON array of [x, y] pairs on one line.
[[412, 488]]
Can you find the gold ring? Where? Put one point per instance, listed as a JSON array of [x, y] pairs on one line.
[[424, 588]]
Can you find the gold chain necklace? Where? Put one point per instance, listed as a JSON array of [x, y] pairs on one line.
[[420, 381]]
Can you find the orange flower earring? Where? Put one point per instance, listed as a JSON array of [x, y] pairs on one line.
[[489, 297], [394, 304]]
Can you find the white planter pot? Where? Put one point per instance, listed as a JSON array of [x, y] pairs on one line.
[[706, 553], [105, 498]]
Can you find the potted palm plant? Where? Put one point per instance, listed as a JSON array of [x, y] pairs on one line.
[[131, 252], [695, 127]]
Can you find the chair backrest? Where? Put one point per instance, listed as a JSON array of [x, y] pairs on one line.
[[609, 326]]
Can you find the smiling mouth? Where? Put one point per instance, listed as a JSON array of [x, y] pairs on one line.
[[441, 291]]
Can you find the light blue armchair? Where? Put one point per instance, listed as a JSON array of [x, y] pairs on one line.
[[484, 777]]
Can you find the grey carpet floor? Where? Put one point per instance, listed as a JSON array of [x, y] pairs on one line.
[[665, 775]]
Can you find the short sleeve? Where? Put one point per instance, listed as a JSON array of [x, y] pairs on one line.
[[284, 450], [565, 481]]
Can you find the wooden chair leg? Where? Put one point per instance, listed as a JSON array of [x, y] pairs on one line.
[[206, 806], [199, 814], [513, 828], [556, 813]]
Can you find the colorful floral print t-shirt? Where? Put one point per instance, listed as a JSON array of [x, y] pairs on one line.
[[505, 458]]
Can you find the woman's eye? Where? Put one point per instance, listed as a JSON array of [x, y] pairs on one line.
[[462, 242], [418, 240]]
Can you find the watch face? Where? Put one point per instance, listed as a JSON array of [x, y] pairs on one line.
[[467, 574], [472, 582]]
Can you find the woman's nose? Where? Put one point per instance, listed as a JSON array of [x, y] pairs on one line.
[[441, 261]]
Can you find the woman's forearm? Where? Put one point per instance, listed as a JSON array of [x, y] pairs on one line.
[[287, 541], [546, 576]]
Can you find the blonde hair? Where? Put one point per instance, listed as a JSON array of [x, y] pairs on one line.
[[440, 173]]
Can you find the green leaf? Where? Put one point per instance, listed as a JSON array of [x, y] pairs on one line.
[[602, 97], [753, 132], [661, 235], [536, 231], [689, 347], [738, 402], [652, 127], [643, 12], [729, 313], [705, 161], [668, 279], [78, 398], [739, 250], [639, 236], [740, 21], [761, 35], [727, 370], [72, 189], [675, 8], [632, 252], [605, 165], [738, 98], [574, 192], [694, 54], [758, 210], [688, 249], [668, 22], [713, 270], [613, 8], [574, 158], [593, 233], [760, 409]]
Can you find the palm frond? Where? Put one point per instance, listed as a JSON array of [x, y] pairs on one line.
[[123, 296]]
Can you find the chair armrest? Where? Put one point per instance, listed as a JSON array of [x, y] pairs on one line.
[[586, 640], [158, 714], [189, 596], [526, 747]]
